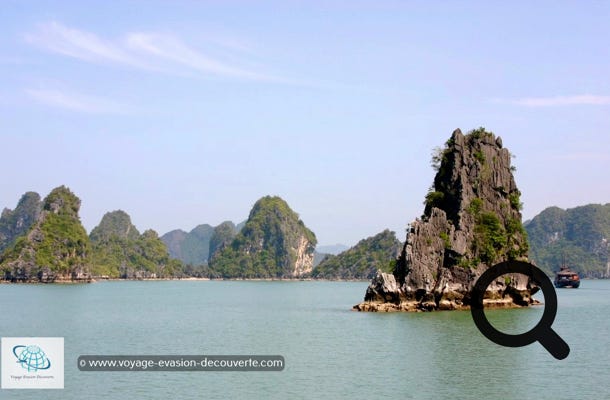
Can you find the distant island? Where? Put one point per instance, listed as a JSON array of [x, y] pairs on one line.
[[580, 236], [119, 250], [43, 240], [376, 253], [274, 243], [199, 245], [471, 218]]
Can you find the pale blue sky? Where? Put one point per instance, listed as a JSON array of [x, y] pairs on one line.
[[186, 112]]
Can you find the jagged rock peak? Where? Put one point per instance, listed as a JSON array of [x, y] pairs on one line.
[[471, 221], [472, 166], [62, 201], [55, 247], [115, 223], [15, 223]]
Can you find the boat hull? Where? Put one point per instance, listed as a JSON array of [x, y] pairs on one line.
[[567, 284]]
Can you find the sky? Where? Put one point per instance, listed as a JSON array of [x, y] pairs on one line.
[[187, 112]]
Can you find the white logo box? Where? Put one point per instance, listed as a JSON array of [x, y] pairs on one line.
[[32, 362]]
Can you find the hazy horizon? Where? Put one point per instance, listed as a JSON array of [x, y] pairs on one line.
[[183, 113]]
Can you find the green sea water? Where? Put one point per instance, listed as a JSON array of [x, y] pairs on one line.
[[331, 352]]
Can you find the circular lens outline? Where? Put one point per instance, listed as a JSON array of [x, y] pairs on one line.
[[542, 332]]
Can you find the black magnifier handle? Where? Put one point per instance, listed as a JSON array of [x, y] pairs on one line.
[[554, 344]]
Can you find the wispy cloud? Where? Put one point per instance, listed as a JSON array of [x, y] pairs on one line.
[[78, 102], [173, 49], [85, 46], [555, 101], [142, 50]]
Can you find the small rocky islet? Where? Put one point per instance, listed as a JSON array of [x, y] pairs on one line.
[[471, 221]]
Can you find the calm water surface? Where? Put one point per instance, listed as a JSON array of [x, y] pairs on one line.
[[330, 351]]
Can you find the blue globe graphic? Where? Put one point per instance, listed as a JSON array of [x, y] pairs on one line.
[[31, 358]]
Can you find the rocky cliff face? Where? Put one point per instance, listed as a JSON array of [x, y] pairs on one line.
[[56, 246], [15, 223], [304, 258], [274, 243], [471, 221], [114, 224]]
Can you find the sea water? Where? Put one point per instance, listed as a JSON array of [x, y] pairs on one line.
[[330, 351]]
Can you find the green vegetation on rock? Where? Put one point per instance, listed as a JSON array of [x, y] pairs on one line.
[[490, 237], [495, 239], [56, 247], [362, 261], [16, 223], [491, 204], [434, 198], [580, 234], [274, 243], [119, 251], [115, 223], [222, 237]]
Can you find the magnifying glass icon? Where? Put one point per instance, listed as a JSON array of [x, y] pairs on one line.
[[542, 332]]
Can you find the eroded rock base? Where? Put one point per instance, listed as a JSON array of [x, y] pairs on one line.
[[443, 305]]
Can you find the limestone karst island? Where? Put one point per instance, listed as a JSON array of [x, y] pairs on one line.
[[471, 221]]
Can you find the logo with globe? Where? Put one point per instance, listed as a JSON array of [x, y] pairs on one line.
[[31, 357]]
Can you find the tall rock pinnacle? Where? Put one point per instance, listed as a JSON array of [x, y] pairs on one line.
[[471, 221]]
